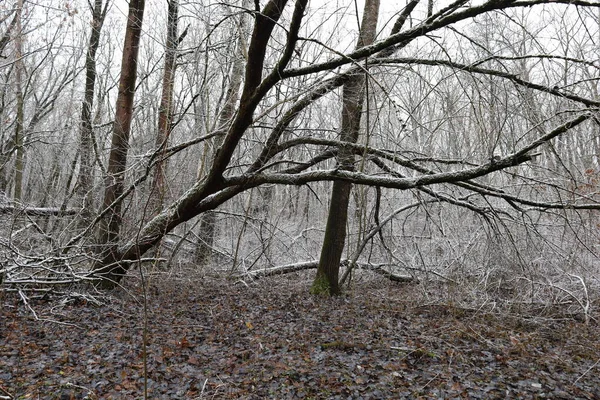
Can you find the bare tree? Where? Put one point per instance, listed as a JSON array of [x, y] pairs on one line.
[[275, 65], [207, 224], [18, 142], [165, 110], [86, 152], [35, 83], [111, 223], [326, 280], [6, 35]]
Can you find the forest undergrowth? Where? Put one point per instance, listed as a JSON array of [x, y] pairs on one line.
[[212, 338]]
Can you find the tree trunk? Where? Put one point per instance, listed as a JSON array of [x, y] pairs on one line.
[[86, 151], [18, 138], [113, 267], [7, 146], [111, 223], [381, 269], [208, 220], [327, 277], [165, 110]]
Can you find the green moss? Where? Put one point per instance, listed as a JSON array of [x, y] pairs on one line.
[[320, 285]]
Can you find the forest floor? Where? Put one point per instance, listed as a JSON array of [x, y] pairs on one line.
[[270, 339]]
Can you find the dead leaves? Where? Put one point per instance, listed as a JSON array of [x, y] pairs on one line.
[[276, 341]]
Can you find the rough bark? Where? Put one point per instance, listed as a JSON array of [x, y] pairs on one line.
[[327, 277], [112, 268], [111, 224], [18, 138], [6, 144], [165, 110], [214, 189], [86, 150], [6, 36]]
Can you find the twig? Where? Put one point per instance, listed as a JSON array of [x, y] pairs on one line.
[[431, 380], [8, 395], [406, 349], [53, 321], [588, 370], [203, 388], [70, 384], [586, 306], [242, 281], [24, 298]]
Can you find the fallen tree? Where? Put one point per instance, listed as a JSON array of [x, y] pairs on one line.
[[38, 211], [308, 265]]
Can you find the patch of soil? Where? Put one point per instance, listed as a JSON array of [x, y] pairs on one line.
[[271, 339]]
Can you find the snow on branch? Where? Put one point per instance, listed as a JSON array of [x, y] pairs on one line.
[[306, 265], [38, 211]]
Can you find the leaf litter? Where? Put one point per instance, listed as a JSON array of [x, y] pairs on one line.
[[271, 339]]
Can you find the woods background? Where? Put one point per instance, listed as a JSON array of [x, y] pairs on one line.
[[196, 136]]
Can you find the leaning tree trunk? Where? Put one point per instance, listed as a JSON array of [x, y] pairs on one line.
[[113, 267], [110, 225], [327, 277], [86, 150]]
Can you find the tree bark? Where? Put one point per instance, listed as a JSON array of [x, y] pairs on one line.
[[110, 225], [6, 36], [113, 267], [303, 266], [18, 138], [7, 145], [165, 110], [86, 151], [327, 277]]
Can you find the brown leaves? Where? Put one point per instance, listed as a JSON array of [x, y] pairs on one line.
[[275, 341], [184, 343]]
